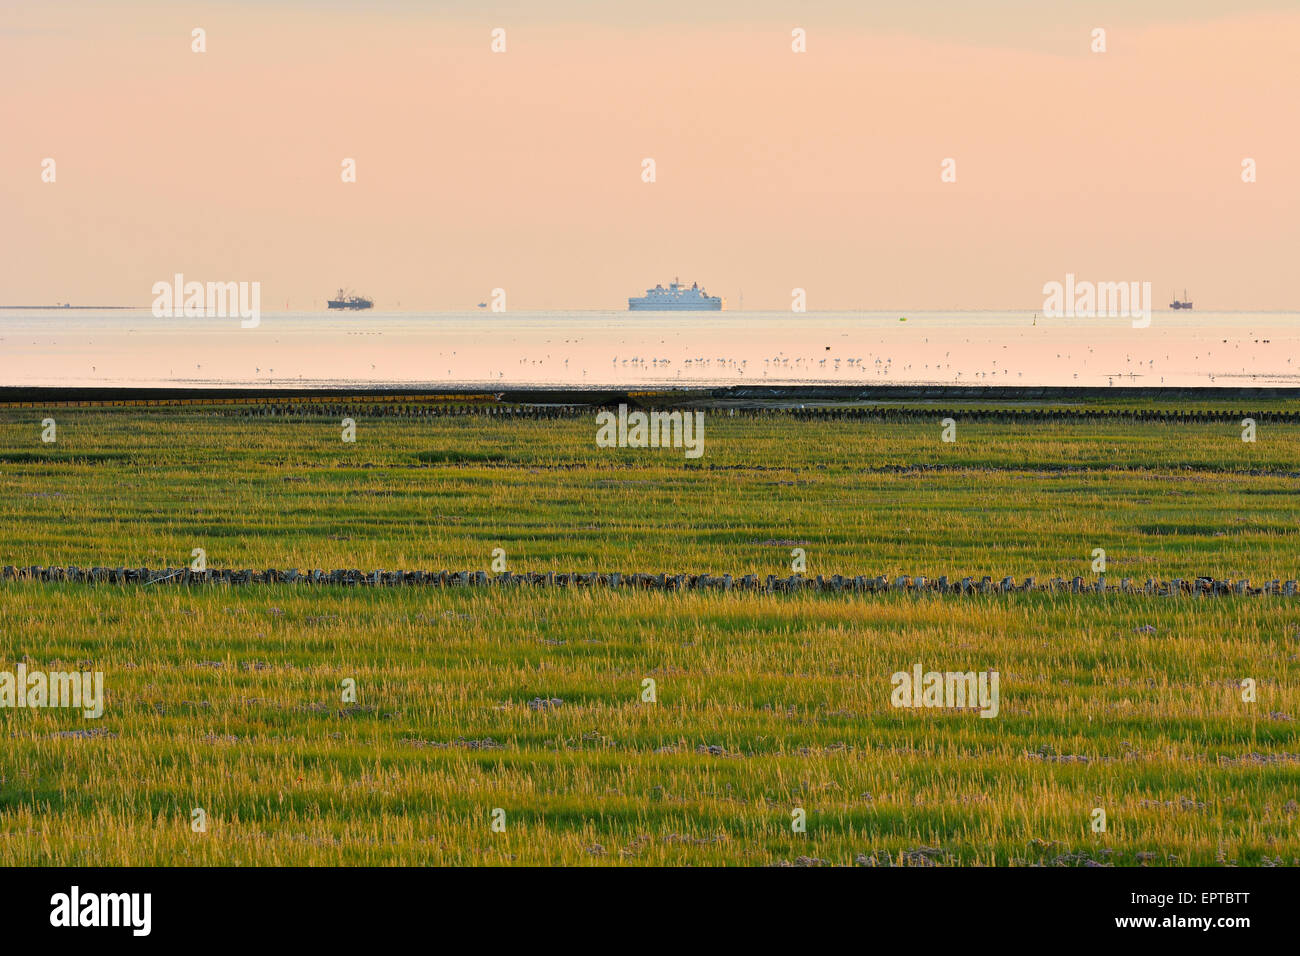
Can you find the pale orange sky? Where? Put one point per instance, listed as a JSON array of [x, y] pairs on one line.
[[522, 170]]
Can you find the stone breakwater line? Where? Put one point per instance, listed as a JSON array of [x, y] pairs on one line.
[[771, 584], [887, 414]]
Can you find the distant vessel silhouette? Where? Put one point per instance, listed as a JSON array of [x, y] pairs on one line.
[[345, 300], [1183, 303], [675, 298]]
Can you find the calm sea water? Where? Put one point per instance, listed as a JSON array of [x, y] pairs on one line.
[[133, 348]]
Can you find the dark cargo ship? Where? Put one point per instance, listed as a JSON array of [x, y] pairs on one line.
[[345, 300]]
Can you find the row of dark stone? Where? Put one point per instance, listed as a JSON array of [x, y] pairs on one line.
[[1043, 414], [399, 410], [655, 582], [887, 414]]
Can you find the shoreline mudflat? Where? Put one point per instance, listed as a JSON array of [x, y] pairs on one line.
[[747, 396]]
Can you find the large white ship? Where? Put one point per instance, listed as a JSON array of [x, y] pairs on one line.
[[675, 298]]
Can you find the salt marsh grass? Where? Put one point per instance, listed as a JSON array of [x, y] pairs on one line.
[[529, 700]]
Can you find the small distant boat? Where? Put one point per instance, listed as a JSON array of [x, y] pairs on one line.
[[346, 300], [1183, 303]]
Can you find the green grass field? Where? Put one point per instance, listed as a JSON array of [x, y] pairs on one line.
[[229, 699]]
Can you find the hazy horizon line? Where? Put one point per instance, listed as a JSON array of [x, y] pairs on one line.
[[452, 311]]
